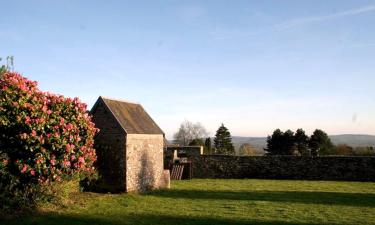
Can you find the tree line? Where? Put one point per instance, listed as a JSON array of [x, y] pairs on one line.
[[319, 143], [279, 143], [298, 143]]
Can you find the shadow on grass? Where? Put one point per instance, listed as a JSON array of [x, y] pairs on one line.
[[139, 219], [328, 198]]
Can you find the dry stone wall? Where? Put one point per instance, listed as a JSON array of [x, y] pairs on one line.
[[285, 167]]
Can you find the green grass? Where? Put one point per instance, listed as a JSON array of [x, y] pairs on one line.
[[242, 202]]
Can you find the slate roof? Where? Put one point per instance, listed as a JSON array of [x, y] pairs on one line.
[[132, 117]]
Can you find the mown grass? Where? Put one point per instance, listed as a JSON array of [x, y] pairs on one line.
[[258, 202]]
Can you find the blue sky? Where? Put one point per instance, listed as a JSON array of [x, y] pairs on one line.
[[253, 65]]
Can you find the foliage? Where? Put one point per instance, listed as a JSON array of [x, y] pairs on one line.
[[302, 142], [8, 66], [288, 143], [341, 149], [208, 146], [320, 143], [281, 143], [346, 150], [364, 151], [196, 142], [275, 142], [189, 131], [43, 138], [219, 202], [246, 149], [223, 141]]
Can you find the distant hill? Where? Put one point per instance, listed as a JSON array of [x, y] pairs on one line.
[[354, 140]]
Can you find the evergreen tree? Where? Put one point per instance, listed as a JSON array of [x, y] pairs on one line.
[[274, 143], [320, 143], [223, 141], [288, 147], [281, 143], [208, 146], [302, 142]]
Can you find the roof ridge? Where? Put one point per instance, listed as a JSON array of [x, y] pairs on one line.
[[120, 100]]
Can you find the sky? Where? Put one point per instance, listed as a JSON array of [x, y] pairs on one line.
[[253, 65]]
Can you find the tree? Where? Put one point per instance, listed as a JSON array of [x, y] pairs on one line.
[[301, 142], [274, 142], [342, 149], [288, 147], [281, 143], [197, 142], [9, 66], [208, 146], [246, 149], [320, 143], [364, 151], [223, 141], [189, 131]]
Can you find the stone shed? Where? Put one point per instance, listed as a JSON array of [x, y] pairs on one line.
[[129, 147]]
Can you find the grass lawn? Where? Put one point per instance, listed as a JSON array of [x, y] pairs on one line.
[[220, 202]]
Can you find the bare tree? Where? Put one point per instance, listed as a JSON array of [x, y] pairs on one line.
[[189, 131], [247, 149]]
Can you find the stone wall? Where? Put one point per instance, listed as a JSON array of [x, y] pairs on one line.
[[182, 151], [285, 167], [109, 145], [144, 163]]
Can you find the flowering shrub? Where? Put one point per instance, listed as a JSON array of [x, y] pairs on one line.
[[43, 137]]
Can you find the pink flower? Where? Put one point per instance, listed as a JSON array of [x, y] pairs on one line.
[[66, 164], [69, 147], [33, 133], [27, 120], [32, 172], [24, 169], [69, 126], [81, 159], [53, 162]]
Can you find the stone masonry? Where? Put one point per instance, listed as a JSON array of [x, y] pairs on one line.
[[144, 162], [129, 147]]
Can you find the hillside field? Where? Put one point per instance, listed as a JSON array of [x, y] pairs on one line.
[[218, 202]]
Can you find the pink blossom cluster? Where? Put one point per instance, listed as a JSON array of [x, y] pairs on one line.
[[48, 136]]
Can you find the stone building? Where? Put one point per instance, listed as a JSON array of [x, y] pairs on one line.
[[129, 147]]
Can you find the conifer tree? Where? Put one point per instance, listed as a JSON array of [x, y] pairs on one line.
[[208, 146], [302, 142], [223, 141], [320, 143]]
